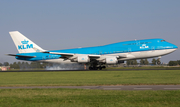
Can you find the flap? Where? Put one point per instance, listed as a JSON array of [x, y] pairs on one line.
[[63, 54], [94, 56], [122, 56]]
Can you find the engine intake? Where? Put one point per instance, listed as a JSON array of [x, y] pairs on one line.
[[81, 59], [112, 60]]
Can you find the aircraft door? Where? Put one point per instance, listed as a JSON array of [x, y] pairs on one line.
[[129, 50], [43, 57], [100, 53], [152, 48], [137, 43]]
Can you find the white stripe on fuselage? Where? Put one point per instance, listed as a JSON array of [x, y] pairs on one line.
[[130, 55], [147, 54]]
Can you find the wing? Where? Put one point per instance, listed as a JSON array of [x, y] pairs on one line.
[[71, 55]]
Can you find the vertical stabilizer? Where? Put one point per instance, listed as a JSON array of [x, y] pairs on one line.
[[23, 44]]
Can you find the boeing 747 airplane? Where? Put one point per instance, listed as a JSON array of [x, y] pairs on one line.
[[97, 56]]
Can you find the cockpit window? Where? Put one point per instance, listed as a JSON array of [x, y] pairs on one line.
[[162, 40]]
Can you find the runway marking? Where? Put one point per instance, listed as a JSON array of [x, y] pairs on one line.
[[172, 88], [86, 88], [142, 88], [156, 87], [111, 88]]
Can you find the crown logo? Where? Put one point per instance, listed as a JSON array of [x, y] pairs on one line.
[[24, 42]]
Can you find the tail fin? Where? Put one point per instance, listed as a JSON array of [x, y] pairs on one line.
[[23, 44]]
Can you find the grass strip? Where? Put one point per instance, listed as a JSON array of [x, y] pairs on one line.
[[87, 98], [90, 78]]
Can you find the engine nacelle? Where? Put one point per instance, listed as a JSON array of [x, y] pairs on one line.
[[112, 60], [83, 59]]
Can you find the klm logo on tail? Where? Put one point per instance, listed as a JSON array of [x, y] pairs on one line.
[[25, 45]]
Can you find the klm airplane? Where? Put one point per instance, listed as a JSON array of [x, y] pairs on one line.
[[97, 57]]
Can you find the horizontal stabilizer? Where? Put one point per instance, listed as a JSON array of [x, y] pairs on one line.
[[22, 56]]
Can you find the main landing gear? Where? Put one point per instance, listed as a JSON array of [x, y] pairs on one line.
[[94, 65], [97, 68]]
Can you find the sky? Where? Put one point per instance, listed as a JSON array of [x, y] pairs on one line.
[[65, 24]]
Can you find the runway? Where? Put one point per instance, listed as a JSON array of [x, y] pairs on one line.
[[123, 87], [89, 70]]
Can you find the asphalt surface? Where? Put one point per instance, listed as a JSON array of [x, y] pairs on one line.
[[126, 87], [88, 70]]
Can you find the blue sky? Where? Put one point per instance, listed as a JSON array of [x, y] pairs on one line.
[[56, 24]]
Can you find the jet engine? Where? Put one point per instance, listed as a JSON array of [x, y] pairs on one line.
[[112, 60], [81, 59]]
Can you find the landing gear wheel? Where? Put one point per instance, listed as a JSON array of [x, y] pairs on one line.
[[104, 67], [90, 68], [93, 68], [100, 68]]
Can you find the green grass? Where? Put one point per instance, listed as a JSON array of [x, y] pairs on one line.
[[76, 78], [87, 98]]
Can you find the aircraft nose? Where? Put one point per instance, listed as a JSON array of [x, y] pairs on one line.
[[175, 47]]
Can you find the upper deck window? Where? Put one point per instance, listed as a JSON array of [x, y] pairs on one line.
[[137, 43], [145, 42], [162, 40], [130, 44]]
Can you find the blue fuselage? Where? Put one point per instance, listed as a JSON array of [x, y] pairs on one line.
[[121, 47]]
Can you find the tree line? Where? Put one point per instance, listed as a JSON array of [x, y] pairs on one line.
[[25, 65], [33, 65], [143, 62], [174, 63]]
